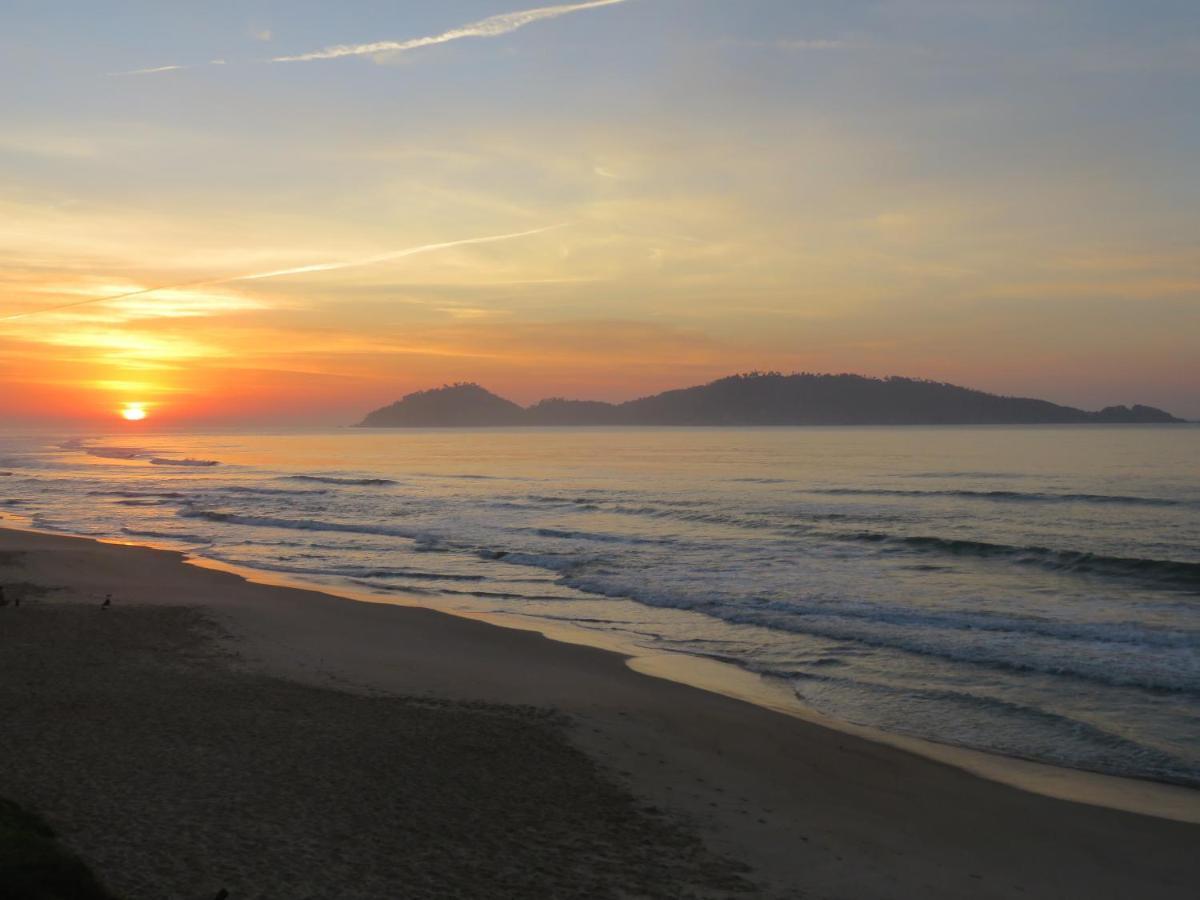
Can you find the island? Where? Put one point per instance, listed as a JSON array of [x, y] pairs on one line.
[[756, 399]]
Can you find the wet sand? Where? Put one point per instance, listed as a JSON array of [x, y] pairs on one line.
[[207, 731]]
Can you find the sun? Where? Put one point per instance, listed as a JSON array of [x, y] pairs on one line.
[[133, 412]]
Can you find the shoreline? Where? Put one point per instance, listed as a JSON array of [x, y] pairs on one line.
[[801, 803], [1118, 792]]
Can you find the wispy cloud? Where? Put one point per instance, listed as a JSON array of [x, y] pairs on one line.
[[150, 71], [493, 26], [295, 270], [395, 254]]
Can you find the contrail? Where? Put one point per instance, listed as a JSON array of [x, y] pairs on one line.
[[395, 254], [276, 273], [493, 26], [151, 71]]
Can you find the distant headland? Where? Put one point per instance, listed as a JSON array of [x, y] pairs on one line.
[[757, 398]]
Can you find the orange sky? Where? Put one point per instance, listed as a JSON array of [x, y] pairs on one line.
[[696, 189]]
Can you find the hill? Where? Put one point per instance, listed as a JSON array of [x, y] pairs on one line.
[[453, 404], [758, 399]]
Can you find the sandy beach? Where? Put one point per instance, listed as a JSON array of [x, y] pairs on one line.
[[208, 732]]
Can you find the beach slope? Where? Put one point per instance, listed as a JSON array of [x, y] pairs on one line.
[[210, 732]]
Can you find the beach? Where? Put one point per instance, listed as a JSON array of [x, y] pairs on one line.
[[208, 732], [926, 584]]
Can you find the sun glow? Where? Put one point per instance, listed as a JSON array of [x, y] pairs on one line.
[[133, 412]]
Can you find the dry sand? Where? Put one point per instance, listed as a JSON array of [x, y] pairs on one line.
[[209, 732]]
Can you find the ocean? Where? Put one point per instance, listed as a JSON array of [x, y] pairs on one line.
[[1029, 591]]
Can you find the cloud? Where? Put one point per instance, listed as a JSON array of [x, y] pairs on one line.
[[395, 254], [493, 26], [150, 71], [296, 270]]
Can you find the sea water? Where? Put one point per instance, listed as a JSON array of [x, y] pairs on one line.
[[1031, 591]]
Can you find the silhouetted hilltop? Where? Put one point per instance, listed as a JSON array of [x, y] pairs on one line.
[[1139, 413], [758, 398], [452, 404]]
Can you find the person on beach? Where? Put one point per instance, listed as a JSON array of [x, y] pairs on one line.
[[107, 601]]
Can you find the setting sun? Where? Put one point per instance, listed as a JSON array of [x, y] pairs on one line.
[[133, 412]]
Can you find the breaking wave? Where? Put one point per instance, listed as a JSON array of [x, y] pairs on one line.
[[1017, 496], [1165, 572], [186, 461], [333, 479]]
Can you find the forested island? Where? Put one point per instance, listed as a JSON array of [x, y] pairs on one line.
[[757, 398]]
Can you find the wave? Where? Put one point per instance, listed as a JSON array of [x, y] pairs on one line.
[[1132, 634], [361, 574], [41, 520], [427, 543], [554, 562], [412, 589], [1055, 736], [610, 497], [963, 475], [186, 461], [172, 495], [505, 595], [407, 589], [229, 518], [675, 510], [113, 452], [699, 512], [268, 492], [421, 576], [1013, 642], [333, 479], [168, 535], [1018, 496], [1166, 572], [698, 516], [130, 453], [1154, 660], [599, 537]]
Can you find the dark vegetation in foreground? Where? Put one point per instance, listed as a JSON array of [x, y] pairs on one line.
[[757, 398], [33, 866]]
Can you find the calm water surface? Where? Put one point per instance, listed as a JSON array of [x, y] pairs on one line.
[[1030, 591]]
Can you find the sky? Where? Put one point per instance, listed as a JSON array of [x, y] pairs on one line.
[[294, 212]]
